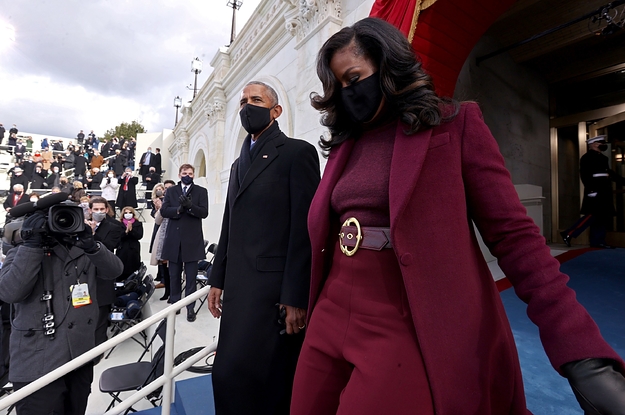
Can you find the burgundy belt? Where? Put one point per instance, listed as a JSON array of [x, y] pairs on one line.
[[353, 237]]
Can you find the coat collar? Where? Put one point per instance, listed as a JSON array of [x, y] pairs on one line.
[[267, 155]]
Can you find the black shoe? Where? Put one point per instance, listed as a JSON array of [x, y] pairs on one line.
[[191, 316], [566, 238], [165, 297], [178, 312]]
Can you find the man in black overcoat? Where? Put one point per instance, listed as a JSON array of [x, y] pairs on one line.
[[109, 232], [598, 204], [157, 162], [262, 263], [185, 204]]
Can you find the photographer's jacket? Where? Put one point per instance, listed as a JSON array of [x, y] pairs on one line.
[[33, 354]]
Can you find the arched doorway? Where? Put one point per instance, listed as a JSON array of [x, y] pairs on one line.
[[200, 163]]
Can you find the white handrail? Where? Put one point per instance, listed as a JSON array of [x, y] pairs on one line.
[[165, 380]]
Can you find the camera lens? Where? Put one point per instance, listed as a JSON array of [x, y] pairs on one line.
[[64, 220]]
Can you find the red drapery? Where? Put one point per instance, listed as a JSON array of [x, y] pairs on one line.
[[445, 32]]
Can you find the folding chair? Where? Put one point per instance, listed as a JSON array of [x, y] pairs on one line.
[[202, 275], [137, 375], [141, 202], [120, 321]]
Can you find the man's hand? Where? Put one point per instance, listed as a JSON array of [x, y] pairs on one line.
[[295, 319], [214, 301], [33, 228], [83, 240], [185, 201]]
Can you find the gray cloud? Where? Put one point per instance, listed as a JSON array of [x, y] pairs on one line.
[[136, 49]]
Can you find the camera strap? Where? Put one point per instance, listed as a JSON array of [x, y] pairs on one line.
[[49, 327]]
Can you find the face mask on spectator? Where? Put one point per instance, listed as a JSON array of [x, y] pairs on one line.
[[128, 216], [111, 175], [33, 199], [98, 216], [56, 169], [159, 193]]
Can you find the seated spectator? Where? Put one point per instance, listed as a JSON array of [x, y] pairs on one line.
[[47, 157], [12, 142], [33, 197], [129, 250], [78, 192], [55, 189]]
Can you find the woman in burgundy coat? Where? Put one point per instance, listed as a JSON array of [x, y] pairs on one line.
[[404, 316]]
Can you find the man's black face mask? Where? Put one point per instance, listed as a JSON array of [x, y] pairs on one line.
[[603, 147], [254, 118]]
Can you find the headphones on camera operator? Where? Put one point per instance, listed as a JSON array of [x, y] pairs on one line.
[[40, 224]]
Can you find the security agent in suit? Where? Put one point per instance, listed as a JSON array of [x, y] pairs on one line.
[[598, 203], [75, 264], [109, 232], [185, 204], [262, 264]]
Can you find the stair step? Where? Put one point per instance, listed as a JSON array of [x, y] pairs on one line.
[[194, 396], [157, 411]]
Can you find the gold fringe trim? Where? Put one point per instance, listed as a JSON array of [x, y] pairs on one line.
[[419, 5]]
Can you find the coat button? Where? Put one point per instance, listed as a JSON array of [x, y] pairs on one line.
[[405, 259], [70, 326], [89, 321]]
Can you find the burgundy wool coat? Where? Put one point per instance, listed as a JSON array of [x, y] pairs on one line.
[[441, 180]]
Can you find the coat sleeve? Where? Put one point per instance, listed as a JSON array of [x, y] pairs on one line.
[[137, 230], [199, 208], [567, 331], [169, 208], [108, 266], [303, 183], [19, 273]]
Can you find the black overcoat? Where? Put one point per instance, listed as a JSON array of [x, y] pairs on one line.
[[129, 250], [184, 229], [263, 259], [109, 232], [127, 197], [597, 179]]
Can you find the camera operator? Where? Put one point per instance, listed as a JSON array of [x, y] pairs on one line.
[[71, 271]]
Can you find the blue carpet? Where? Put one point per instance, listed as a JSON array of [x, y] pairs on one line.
[[598, 278]]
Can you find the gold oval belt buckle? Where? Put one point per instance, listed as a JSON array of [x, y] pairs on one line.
[[344, 249]]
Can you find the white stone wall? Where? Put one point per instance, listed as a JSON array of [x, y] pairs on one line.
[[278, 45]]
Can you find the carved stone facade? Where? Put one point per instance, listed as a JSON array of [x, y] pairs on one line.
[[278, 45], [306, 16]]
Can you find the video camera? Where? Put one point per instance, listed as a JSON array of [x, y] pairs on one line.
[[63, 217]]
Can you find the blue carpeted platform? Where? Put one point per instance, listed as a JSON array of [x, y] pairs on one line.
[[193, 397], [598, 278]]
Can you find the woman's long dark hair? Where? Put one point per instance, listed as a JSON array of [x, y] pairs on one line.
[[408, 90]]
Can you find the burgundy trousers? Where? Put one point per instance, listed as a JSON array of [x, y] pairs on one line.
[[361, 355]]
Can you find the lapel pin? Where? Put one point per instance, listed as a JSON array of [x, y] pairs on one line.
[[265, 156]]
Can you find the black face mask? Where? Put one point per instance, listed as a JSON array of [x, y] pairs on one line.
[[603, 147], [362, 99], [254, 118], [186, 180]]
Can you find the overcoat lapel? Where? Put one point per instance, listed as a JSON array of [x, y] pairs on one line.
[[259, 164], [409, 153], [319, 215]]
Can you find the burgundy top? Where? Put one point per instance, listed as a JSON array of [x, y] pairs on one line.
[[362, 190]]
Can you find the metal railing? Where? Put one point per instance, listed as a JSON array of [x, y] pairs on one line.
[[169, 372]]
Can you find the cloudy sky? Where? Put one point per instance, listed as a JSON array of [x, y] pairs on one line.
[[93, 64]]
